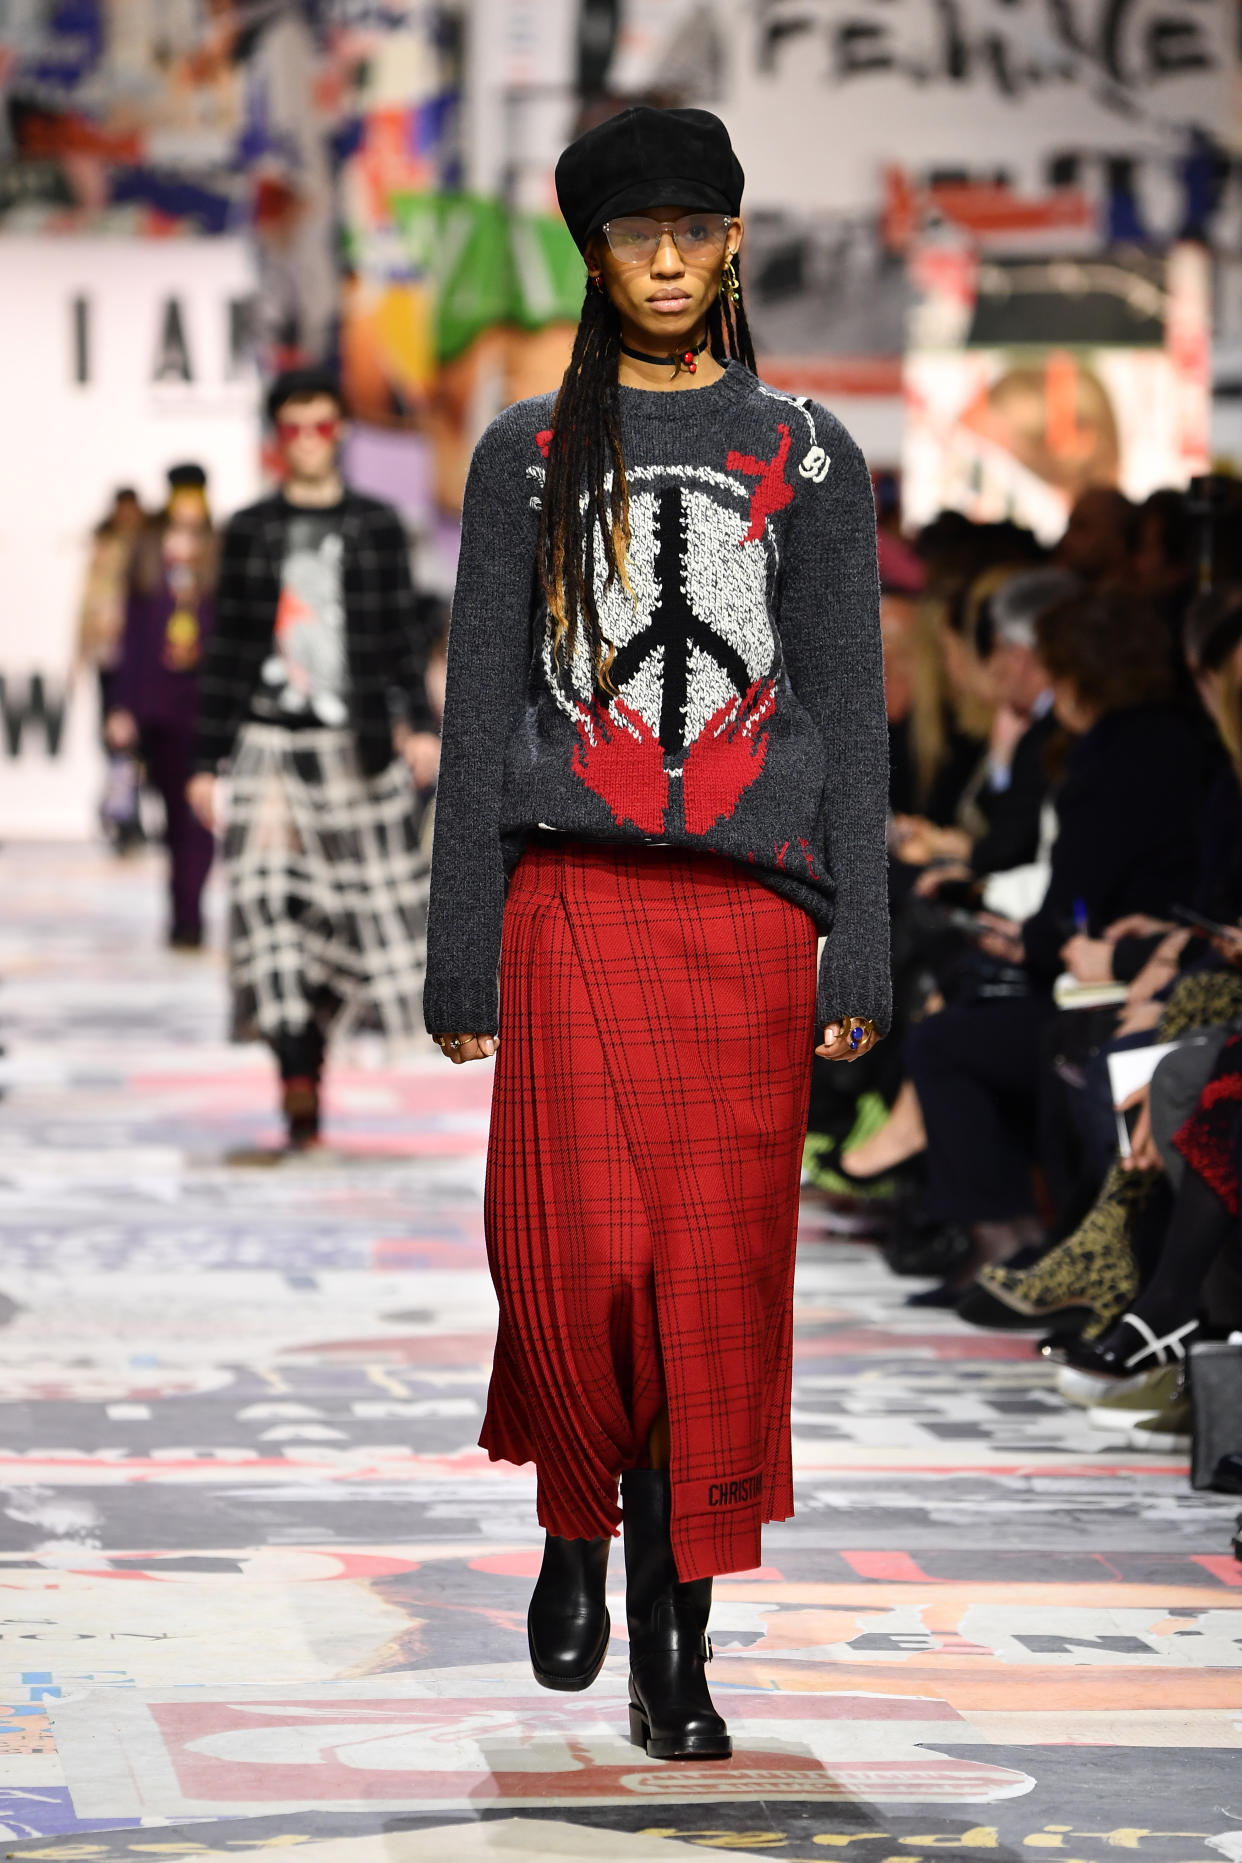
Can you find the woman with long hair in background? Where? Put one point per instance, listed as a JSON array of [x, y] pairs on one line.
[[664, 776], [169, 616]]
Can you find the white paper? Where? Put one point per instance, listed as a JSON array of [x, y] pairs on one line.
[[1128, 1070]]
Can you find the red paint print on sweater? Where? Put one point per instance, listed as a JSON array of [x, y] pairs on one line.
[[619, 757], [772, 493], [726, 757], [543, 440]]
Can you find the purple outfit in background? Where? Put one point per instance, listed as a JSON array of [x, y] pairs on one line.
[[163, 700]]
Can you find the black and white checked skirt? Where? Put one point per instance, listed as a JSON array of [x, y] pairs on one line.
[[327, 888]]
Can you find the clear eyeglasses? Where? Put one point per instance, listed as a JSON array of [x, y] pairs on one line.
[[634, 238]]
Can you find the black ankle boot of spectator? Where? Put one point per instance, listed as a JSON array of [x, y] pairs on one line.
[[567, 1625], [671, 1711], [1227, 1476]]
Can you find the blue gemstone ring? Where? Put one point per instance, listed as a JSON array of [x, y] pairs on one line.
[[856, 1035]]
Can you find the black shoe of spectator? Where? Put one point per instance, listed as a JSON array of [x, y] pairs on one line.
[[1054, 1346], [981, 1307], [946, 1296], [918, 1246], [1227, 1475], [896, 1179], [1129, 1349], [186, 938]]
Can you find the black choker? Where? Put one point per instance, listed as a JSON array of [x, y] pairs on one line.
[[682, 359]]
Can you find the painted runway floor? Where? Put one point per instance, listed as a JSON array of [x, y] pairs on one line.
[[261, 1590]]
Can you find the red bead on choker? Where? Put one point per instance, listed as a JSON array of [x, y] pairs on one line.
[[684, 359]]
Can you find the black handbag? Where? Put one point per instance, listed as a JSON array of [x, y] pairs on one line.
[[1216, 1406]]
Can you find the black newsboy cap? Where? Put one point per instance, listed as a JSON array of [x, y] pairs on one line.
[[647, 158]]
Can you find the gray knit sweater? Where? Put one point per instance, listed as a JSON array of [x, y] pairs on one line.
[[749, 718]]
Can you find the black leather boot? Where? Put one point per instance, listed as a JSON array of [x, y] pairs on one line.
[[671, 1712], [567, 1625]]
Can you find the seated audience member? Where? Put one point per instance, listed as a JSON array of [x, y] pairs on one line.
[[953, 817], [1165, 553], [1100, 536], [939, 707], [1132, 783], [1199, 1155], [1096, 1272], [1016, 776], [948, 705], [1011, 798], [1150, 951], [948, 713]]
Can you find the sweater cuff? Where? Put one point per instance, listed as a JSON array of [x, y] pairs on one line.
[[462, 1006], [854, 989]]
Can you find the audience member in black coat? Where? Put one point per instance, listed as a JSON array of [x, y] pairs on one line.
[[1009, 790], [1132, 787], [1012, 836]]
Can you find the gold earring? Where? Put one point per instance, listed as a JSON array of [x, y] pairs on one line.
[[730, 283]]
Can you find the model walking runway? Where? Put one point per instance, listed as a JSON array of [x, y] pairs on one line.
[[664, 775]]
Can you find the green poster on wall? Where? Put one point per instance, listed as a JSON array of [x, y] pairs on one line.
[[489, 265]]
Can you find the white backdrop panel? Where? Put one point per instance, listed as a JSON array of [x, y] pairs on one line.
[[67, 443], [822, 95]]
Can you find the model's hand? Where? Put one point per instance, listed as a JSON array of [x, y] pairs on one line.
[[1088, 960], [120, 731], [200, 793], [461, 1048], [837, 1044], [421, 750]]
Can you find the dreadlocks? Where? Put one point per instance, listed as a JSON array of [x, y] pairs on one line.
[[586, 497]]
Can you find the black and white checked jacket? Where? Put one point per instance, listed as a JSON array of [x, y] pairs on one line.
[[389, 632]]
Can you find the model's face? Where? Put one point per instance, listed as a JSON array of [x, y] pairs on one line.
[[309, 433], [662, 270]]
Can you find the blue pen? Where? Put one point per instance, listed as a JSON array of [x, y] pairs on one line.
[[1082, 919]]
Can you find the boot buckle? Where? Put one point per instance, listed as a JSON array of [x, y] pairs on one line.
[[706, 1649]]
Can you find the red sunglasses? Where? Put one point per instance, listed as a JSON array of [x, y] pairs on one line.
[[288, 430]]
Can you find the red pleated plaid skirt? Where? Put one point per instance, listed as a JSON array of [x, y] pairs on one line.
[[657, 1026]]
